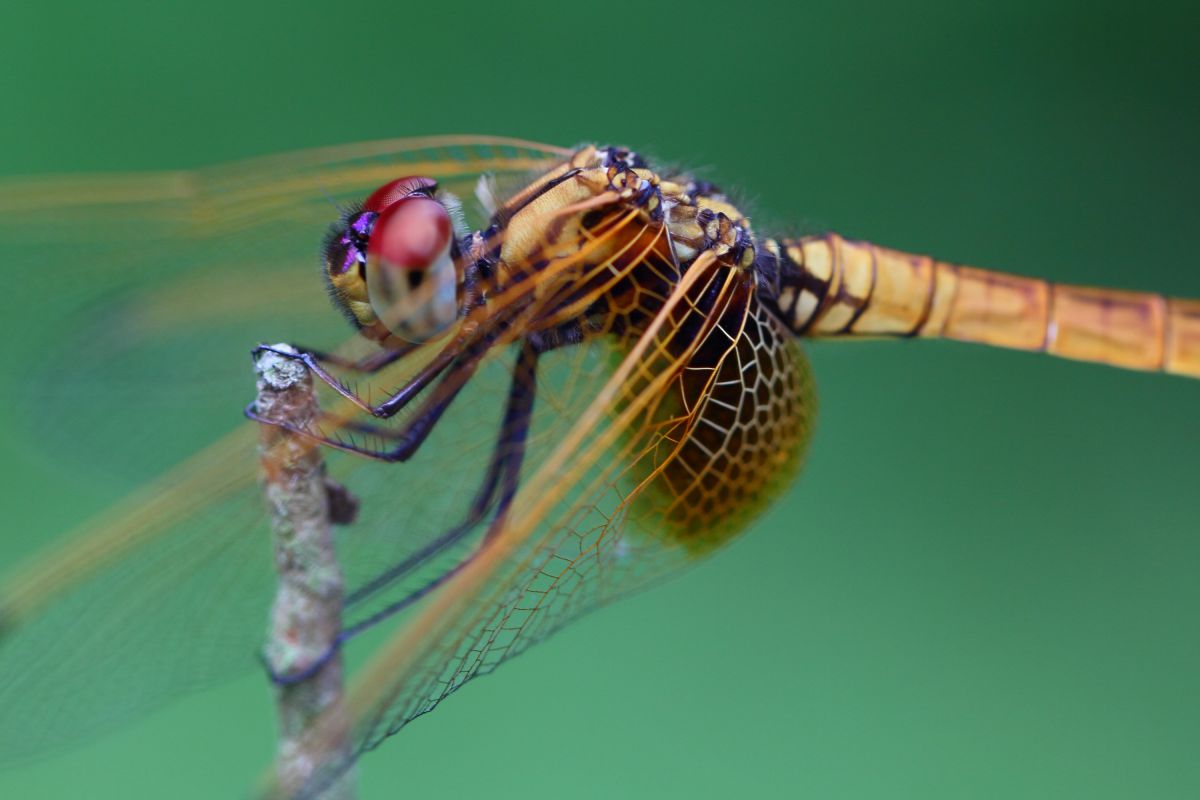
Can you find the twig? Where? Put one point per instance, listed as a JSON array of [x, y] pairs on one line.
[[306, 616]]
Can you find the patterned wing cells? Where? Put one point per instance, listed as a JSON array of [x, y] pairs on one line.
[[735, 431]]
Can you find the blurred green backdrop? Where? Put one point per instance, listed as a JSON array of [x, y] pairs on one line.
[[985, 583]]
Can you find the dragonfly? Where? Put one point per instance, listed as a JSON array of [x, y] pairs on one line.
[[572, 374]]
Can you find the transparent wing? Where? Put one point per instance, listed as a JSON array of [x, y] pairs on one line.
[[133, 272], [616, 501], [168, 588], [129, 383]]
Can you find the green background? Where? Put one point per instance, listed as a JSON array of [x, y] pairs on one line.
[[984, 585]]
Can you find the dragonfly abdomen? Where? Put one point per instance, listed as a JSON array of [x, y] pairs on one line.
[[829, 286]]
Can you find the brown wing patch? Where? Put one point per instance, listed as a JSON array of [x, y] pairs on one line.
[[736, 427]]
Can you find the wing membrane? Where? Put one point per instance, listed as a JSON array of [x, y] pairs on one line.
[[152, 286], [169, 588], [155, 287], [586, 528]]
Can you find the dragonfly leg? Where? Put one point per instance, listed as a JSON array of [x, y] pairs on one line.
[[497, 489], [393, 404], [415, 430], [503, 471], [367, 365]]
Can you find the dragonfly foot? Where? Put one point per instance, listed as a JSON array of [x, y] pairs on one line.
[[301, 674]]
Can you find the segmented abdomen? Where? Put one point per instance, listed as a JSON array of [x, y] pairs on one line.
[[828, 286]]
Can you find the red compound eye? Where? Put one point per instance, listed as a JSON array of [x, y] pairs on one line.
[[397, 190], [411, 278], [410, 234]]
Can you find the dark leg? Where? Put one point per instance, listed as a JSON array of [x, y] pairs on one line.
[[503, 468], [448, 355], [414, 432], [367, 364], [503, 473]]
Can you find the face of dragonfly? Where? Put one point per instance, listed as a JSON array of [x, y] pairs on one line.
[[639, 448], [390, 262]]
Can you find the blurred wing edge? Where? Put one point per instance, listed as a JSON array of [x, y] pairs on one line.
[[21, 195]]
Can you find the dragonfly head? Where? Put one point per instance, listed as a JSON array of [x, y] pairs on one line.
[[389, 265]]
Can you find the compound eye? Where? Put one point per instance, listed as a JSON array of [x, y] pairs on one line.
[[399, 189], [412, 284]]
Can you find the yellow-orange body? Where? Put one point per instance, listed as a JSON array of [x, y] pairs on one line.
[[588, 253], [857, 288], [732, 436]]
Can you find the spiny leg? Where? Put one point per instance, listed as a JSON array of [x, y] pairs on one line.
[[477, 336], [394, 403], [503, 473], [415, 430], [367, 365], [503, 469]]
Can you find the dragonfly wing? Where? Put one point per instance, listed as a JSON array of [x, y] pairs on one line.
[[596, 520], [183, 271], [154, 288], [168, 588]]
